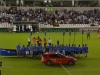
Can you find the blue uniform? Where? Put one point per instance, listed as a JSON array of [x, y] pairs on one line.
[[18, 50], [69, 49], [39, 48], [31, 48], [66, 48], [26, 49], [60, 49], [86, 49], [23, 51], [34, 48], [79, 49], [18, 47], [83, 49], [50, 48], [55, 49], [23, 48], [75, 49], [72, 49]]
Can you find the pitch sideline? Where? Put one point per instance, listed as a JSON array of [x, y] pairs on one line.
[[66, 70]]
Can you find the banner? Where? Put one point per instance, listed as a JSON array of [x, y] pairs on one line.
[[49, 9]]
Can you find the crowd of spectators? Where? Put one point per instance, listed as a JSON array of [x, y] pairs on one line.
[[54, 18]]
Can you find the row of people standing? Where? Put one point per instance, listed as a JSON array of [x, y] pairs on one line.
[[29, 51], [68, 50], [39, 50]]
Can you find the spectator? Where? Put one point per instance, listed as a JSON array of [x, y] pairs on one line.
[[18, 50], [23, 51], [56, 18]]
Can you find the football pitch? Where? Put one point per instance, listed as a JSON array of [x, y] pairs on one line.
[[33, 66]]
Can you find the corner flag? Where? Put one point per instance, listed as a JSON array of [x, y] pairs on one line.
[[69, 32], [82, 31], [74, 32], [82, 35], [63, 33]]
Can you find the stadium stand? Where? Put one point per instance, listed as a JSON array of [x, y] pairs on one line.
[[65, 18], [57, 17]]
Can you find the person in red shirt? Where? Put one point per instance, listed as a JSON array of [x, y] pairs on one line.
[[34, 40], [45, 42], [40, 42], [99, 33], [38, 38]]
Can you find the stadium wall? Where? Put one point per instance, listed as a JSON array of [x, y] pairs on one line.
[[81, 9]]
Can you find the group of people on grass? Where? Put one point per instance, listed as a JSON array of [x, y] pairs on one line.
[[32, 50]]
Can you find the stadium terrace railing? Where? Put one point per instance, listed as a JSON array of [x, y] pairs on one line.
[[81, 9], [8, 27], [67, 27]]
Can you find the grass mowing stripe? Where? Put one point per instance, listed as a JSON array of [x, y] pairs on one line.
[[6, 67], [65, 69]]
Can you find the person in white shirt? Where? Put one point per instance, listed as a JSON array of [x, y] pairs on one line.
[[49, 41], [29, 41]]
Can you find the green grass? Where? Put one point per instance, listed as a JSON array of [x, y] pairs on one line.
[[22, 66]]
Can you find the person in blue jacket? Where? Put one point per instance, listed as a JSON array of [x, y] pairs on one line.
[[18, 50], [50, 48], [58, 48], [55, 48], [75, 50], [31, 50], [83, 51], [61, 49], [72, 50], [69, 50], [23, 51], [78, 51], [27, 51], [35, 51], [66, 50], [86, 50], [40, 50]]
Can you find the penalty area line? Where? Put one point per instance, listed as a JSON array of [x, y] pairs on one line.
[[65, 69]]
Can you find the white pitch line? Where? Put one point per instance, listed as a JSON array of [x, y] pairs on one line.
[[65, 69]]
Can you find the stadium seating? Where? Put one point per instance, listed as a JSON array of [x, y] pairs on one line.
[[72, 21], [73, 25]]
